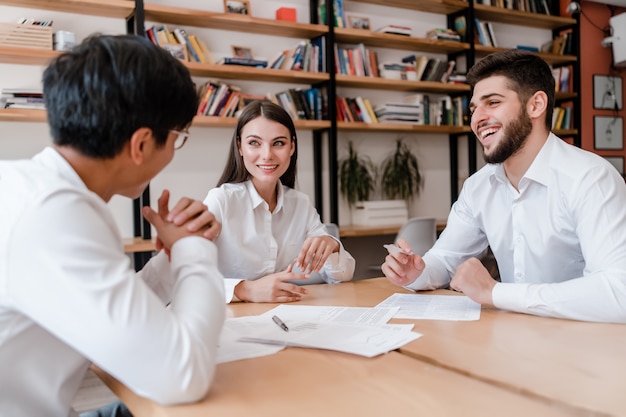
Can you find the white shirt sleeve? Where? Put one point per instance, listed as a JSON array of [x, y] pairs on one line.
[[82, 290]]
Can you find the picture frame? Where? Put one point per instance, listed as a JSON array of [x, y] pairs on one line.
[[241, 52], [176, 50], [617, 162], [608, 132], [245, 99], [237, 6], [359, 22], [607, 92]]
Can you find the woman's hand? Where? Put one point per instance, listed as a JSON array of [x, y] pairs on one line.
[[314, 252], [272, 288]]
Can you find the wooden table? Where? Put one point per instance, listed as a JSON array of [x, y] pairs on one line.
[[505, 364]]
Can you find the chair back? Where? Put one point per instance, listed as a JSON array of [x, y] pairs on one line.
[[420, 233]]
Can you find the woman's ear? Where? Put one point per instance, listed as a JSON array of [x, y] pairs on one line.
[[141, 144]]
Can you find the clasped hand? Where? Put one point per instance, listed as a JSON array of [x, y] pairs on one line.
[[187, 218]]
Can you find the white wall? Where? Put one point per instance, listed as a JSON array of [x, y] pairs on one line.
[[197, 166]]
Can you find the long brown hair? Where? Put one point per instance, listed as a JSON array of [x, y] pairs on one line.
[[235, 170]]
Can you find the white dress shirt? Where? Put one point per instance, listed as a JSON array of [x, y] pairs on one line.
[[560, 242], [68, 297], [254, 242]]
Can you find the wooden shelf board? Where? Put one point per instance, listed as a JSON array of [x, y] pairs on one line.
[[565, 132], [516, 17], [230, 122], [561, 96], [388, 40], [552, 59], [137, 244], [26, 56], [231, 21], [431, 6], [361, 231], [108, 8], [400, 127], [400, 85], [23, 115], [240, 72]]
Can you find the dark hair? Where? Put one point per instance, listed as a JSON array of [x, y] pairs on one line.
[[526, 72], [235, 170], [99, 93]]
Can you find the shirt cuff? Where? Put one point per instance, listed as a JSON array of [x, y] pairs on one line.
[[229, 286], [510, 296]]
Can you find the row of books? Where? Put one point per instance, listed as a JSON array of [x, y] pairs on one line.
[[307, 56], [225, 100], [485, 34], [562, 79], [339, 18], [359, 61], [303, 104], [355, 109], [560, 45], [193, 48], [424, 109], [532, 6], [431, 69], [562, 118], [21, 98]]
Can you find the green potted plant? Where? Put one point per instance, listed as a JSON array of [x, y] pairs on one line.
[[357, 176], [401, 177]]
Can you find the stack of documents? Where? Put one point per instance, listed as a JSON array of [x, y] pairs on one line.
[[357, 330]]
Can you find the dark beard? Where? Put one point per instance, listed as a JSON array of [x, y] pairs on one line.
[[514, 137]]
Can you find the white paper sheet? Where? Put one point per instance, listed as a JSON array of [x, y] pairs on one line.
[[347, 315], [433, 307]]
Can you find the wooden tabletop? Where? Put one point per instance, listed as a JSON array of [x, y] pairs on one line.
[[505, 364]]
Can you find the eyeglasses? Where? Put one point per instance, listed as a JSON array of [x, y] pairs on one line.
[[181, 138]]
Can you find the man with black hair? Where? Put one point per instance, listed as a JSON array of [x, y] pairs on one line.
[[553, 214], [118, 108]]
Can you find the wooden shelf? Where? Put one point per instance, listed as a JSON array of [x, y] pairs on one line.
[[431, 6], [240, 72], [392, 41], [516, 17], [109, 8], [561, 96], [362, 231], [137, 244], [401, 128], [230, 122], [565, 132], [552, 59], [231, 21], [24, 56], [23, 115], [377, 83]]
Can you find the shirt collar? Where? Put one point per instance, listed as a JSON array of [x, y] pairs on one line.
[[258, 200], [51, 158], [538, 171]]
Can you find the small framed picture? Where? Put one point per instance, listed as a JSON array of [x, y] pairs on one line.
[[237, 6], [608, 132], [359, 22], [177, 50], [617, 162], [241, 52], [607, 92], [245, 99]]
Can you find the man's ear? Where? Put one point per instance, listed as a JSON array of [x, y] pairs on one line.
[[141, 144], [537, 105]]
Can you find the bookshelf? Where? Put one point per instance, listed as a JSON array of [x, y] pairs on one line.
[[323, 130]]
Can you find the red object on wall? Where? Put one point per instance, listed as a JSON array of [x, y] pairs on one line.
[[286, 13]]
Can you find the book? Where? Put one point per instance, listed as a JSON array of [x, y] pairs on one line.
[[395, 29], [443, 35], [249, 62]]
